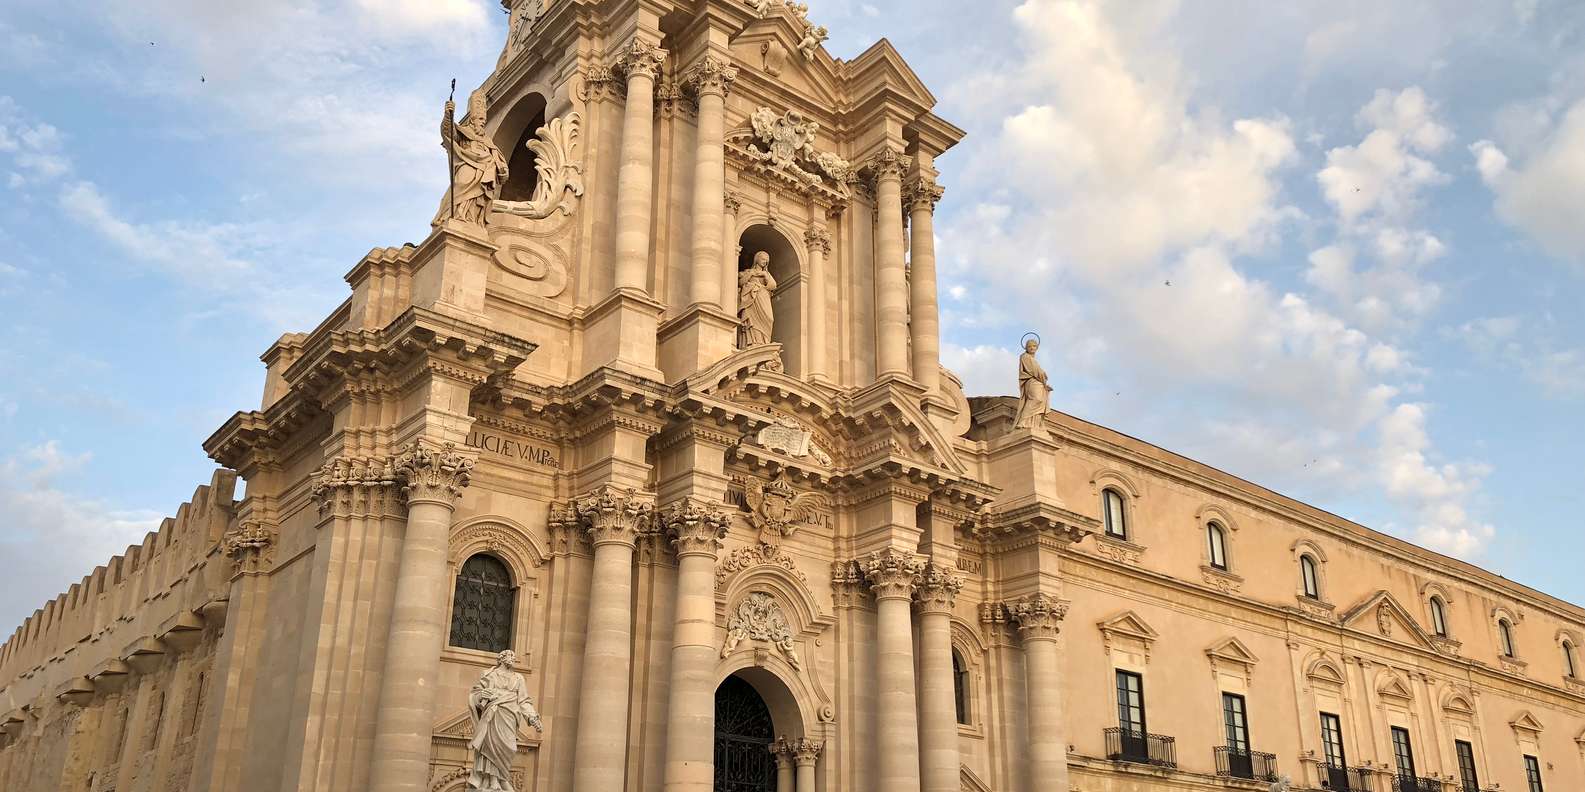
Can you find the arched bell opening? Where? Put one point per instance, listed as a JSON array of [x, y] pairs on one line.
[[789, 296], [519, 126]]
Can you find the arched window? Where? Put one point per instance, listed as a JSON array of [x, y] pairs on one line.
[[1311, 575], [1570, 665], [1505, 637], [1438, 617], [1112, 508], [481, 611], [1216, 544], [960, 686]]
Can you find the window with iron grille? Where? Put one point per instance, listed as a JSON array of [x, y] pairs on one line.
[[481, 609], [1466, 765], [1532, 773]]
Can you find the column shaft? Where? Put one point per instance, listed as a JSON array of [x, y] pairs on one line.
[[784, 773], [819, 247], [635, 176], [891, 275], [938, 722], [709, 185], [729, 247], [696, 531], [601, 746], [806, 776], [1048, 747], [924, 317], [404, 722]]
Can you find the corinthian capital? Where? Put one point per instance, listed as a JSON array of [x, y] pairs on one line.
[[639, 57], [251, 548], [818, 240], [889, 163], [891, 574], [1039, 616], [695, 527], [436, 475], [921, 193], [806, 751], [937, 588], [614, 515], [711, 75]]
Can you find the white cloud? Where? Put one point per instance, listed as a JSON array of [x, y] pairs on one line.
[[1436, 493], [36, 149], [423, 17], [1541, 193], [1383, 175], [985, 370]]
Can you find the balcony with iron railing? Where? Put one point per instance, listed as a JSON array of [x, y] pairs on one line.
[[1346, 779], [1414, 784], [1128, 745], [1238, 763]]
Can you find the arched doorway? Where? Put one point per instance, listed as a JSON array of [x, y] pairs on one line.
[[743, 735], [787, 301]]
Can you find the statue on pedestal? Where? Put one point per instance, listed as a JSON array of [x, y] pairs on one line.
[[754, 288], [497, 704], [1034, 392], [477, 167]]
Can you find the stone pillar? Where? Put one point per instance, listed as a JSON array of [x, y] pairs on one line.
[[729, 246], [696, 530], [805, 753], [639, 63], [924, 316], [612, 516], [891, 577], [710, 80], [938, 718], [819, 241], [1039, 619], [404, 723], [783, 749], [891, 276]]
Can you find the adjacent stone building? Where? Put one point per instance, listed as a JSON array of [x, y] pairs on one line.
[[657, 405]]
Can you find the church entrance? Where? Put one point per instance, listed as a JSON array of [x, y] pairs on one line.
[[743, 736]]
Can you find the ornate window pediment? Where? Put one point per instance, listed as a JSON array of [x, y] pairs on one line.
[[1525, 725], [1128, 633], [1458, 703], [1231, 655], [1391, 685], [1323, 669]]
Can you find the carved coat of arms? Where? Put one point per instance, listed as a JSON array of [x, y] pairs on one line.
[[776, 509]]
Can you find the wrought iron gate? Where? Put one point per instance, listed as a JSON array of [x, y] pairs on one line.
[[743, 736]]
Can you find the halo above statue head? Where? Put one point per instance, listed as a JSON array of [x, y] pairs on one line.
[[1025, 339]]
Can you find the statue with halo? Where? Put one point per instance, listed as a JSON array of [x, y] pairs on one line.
[[1034, 391]]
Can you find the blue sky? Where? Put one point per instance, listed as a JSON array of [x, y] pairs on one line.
[[1336, 248]]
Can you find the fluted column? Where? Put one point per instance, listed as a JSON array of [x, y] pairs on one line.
[[891, 577], [1039, 618], [805, 753], [730, 205], [924, 320], [938, 722], [819, 241], [639, 63], [612, 516], [404, 723], [710, 79], [696, 530], [891, 276]]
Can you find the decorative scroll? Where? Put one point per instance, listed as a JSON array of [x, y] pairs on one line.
[[555, 148], [759, 618]]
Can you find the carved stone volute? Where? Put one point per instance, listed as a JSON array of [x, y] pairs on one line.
[[695, 527], [1039, 616], [434, 475], [936, 589], [892, 574], [614, 515]]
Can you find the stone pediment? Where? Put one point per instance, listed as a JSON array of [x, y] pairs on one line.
[[459, 728], [1525, 722], [1392, 686], [1232, 650], [881, 68], [1382, 615], [1127, 625], [969, 782]]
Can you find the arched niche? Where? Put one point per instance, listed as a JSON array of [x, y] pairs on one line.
[[513, 130], [790, 296], [793, 709]]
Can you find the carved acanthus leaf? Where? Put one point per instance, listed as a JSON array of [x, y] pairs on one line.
[[555, 148], [434, 473]]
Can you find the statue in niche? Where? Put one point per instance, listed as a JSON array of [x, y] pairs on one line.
[[754, 313], [1034, 392], [477, 167], [497, 705]]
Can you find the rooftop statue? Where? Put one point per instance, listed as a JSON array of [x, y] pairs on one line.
[[477, 167], [1034, 392]]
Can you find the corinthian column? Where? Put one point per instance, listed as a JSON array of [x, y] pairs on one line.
[[640, 61], [924, 317], [891, 277], [784, 751], [938, 721], [1039, 619], [432, 480], [696, 530], [612, 517], [730, 206], [710, 80], [819, 241], [805, 753], [891, 577]]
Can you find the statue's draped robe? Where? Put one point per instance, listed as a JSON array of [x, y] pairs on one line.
[[754, 289], [498, 703], [1034, 395], [480, 171]]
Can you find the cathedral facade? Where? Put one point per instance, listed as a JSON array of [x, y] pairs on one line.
[[651, 429]]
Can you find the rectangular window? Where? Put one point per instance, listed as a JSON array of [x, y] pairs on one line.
[[1403, 752], [1236, 722], [1532, 772], [1332, 740], [1131, 702], [1466, 766]]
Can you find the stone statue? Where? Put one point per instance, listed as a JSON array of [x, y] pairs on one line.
[[1282, 784], [497, 704], [754, 288], [477, 167], [1034, 393], [814, 35]]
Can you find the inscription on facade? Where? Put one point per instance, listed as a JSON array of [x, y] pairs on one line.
[[736, 497], [516, 450]]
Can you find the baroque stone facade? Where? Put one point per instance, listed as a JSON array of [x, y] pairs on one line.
[[540, 439]]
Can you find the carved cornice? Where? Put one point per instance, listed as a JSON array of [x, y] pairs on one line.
[[432, 475], [695, 527], [891, 574], [251, 548], [936, 588], [710, 75], [614, 515], [1039, 616], [922, 193]]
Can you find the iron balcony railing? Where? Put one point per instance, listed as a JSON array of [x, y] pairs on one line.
[[1346, 779], [1414, 784], [1128, 745], [1239, 763]]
